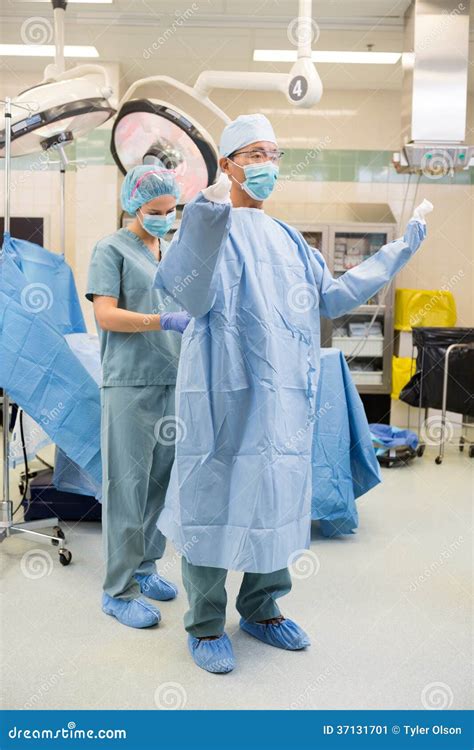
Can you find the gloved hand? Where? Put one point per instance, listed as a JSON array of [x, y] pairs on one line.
[[220, 191], [420, 211], [415, 233], [175, 321]]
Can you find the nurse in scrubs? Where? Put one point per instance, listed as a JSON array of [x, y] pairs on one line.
[[140, 337], [239, 496]]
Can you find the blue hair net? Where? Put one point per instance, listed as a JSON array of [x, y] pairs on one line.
[[244, 130], [144, 183]]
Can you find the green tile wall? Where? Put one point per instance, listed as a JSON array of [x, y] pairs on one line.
[[337, 165], [327, 165]]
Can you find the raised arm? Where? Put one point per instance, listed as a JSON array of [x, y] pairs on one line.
[[188, 270], [340, 296]]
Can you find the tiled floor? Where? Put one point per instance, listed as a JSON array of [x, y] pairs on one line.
[[388, 611]]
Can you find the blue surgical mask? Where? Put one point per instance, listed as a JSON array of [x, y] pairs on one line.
[[259, 179], [156, 225]]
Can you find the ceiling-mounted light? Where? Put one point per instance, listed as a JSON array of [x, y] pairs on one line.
[[345, 57], [146, 131], [46, 50], [65, 105]]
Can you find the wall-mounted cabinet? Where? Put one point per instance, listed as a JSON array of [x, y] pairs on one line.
[[365, 336]]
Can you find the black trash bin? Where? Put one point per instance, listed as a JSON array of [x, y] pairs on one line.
[[425, 389]]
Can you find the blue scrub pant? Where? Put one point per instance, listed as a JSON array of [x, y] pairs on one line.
[[136, 463], [207, 597]]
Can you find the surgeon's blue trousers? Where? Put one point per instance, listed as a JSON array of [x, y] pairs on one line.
[[137, 454], [205, 587]]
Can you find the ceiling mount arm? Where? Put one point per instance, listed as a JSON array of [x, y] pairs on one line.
[[304, 34], [302, 85], [224, 79], [59, 10]]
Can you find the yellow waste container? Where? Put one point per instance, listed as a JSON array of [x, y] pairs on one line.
[[403, 368], [424, 307]]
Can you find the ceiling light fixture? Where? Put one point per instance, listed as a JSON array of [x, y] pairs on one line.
[[46, 50], [345, 57]]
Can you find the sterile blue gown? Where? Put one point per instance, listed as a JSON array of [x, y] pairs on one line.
[[38, 305], [240, 490]]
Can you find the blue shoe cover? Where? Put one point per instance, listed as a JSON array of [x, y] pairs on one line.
[[214, 656], [286, 634], [156, 587], [136, 613]]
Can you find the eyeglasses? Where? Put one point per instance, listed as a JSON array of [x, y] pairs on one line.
[[259, 155]]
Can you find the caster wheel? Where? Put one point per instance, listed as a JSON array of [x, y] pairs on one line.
[[420, 450], [438, 460], [65, 556], [59, 533], [461, 444], [471, 451]]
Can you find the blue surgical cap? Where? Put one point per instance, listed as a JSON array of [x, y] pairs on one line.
[[244, 130], [144, 183]]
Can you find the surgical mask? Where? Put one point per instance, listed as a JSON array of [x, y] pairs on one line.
[[259, 179], [156, 225]]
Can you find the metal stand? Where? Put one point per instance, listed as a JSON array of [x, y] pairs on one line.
[[62, 173], [462, 440], [421, 445], [7, 527]]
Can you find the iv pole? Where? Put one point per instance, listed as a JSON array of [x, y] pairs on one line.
[[7, 526], [6, 505]]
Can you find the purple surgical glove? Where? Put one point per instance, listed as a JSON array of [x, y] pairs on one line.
[[175, 321]]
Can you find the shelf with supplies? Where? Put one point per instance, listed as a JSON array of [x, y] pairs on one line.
[[349, 235]]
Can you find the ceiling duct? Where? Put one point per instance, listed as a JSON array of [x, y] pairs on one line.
[[434, 97]]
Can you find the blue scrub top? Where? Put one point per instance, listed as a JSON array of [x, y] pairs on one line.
[[122, 266]]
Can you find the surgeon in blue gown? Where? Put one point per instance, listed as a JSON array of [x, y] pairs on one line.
[[239, 496]]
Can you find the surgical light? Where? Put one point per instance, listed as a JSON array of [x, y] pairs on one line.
[[65, 105], [147, 132]]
